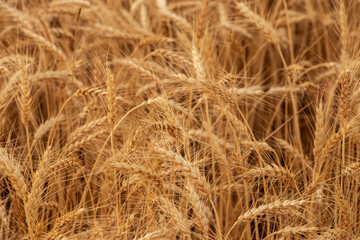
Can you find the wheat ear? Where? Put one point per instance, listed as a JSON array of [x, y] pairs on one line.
[[48, 45], [34, 196], [264, 26], [344, 34], [12, 171], [345, 95], [62, 222], [276, 207]]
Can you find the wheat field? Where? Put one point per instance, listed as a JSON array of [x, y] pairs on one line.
[[179, 119]]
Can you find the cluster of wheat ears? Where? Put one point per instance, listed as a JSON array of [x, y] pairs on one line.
[[179, 119]]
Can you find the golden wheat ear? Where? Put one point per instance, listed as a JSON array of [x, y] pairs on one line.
[[179, 119]]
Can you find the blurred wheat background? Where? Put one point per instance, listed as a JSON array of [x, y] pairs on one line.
[[179, 119]]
